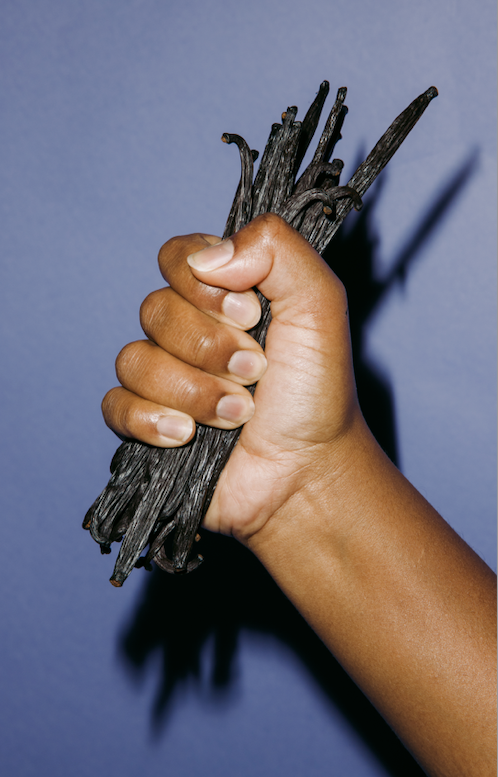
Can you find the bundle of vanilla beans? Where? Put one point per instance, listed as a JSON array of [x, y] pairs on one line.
[[158, 497]]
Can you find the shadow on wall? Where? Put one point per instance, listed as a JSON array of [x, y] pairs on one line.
[[231, 591]]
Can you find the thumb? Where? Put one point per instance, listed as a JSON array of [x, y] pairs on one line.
[[274, 257]]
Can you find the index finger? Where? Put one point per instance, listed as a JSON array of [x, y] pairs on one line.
[[241, 308]]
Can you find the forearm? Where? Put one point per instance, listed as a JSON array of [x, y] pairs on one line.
[[402, 602]]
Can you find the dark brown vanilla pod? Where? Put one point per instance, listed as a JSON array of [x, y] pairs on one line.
[[157, 497], [331, 132], [315, 171], [377, 159], [240, 212], [310, 123]]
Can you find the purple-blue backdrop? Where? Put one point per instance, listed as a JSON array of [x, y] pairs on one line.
[[111, 118]]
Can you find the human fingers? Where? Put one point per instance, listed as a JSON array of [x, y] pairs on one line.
[[131, 416], [170, 383], [239, 309], [150, 373], [200, 340], [308, 344], [273, 256]]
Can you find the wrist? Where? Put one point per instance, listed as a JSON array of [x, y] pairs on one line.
[[325, 504]]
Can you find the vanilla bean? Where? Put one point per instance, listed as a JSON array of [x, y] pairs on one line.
[[330, 134], [283, 180], [240, 212], [267, 196], [378, 158], [156, 496], [315, 171], [310, 123]]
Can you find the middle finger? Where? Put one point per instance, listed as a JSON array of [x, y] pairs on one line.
[[199, 339], [148, 371]]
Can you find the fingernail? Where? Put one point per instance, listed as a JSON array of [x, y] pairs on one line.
[[242, 308], [247, 364], [174, 427], [213, 257], [235, 408]]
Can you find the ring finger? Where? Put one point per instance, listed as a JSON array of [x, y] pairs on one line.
[[155, 375]]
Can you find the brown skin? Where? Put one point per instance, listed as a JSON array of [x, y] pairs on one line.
[[402, 602]]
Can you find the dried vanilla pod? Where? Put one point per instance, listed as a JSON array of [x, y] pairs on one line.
[[157, 497]]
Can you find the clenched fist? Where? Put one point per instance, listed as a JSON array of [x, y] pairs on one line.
[[198, 359]]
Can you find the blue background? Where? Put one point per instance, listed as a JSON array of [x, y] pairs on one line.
[[112, 113]]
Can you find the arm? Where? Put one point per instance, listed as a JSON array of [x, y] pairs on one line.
[[402, 602]]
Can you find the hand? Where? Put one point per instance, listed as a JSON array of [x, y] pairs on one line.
[[199, 358]]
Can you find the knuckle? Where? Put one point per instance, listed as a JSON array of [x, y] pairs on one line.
[[271, 226], [276, 234], [168, 254], [150, 310], [189, 394], [109, 404], [119, 412], [170, 247], [127, 420], [128, 360], [178, 246], [202, 346], [115, 411]]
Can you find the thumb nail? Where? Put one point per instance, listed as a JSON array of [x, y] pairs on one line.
[[213, 257]]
